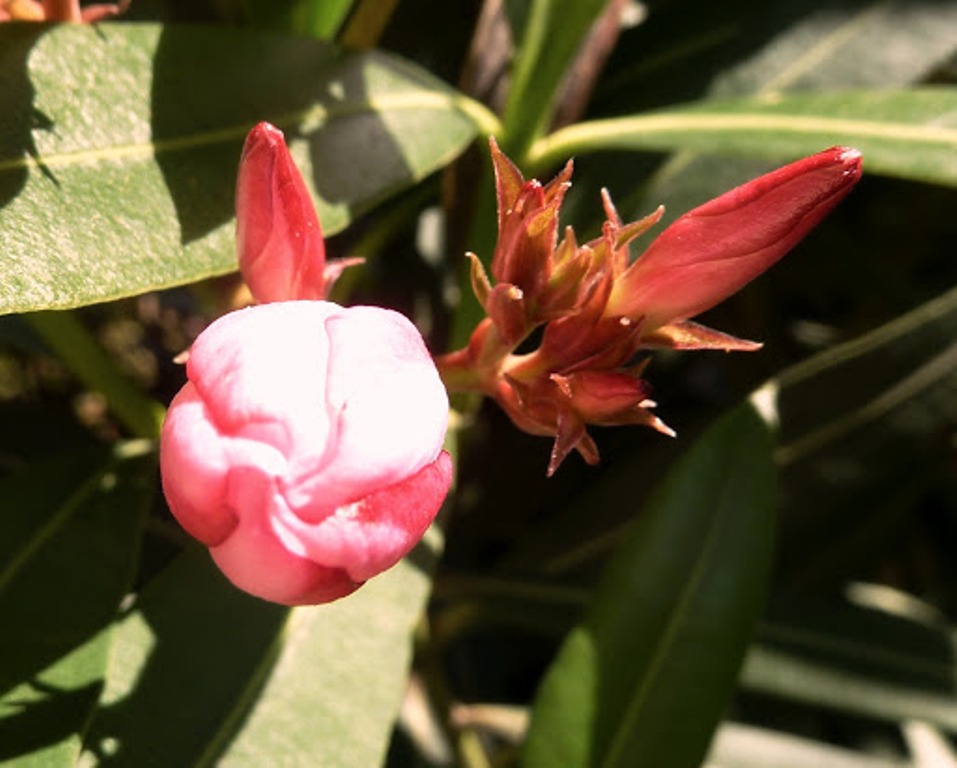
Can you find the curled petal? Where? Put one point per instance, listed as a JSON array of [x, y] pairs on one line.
[[282, 559], [195, 469]]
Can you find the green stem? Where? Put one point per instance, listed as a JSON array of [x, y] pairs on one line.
[[521, 119], [367, 23], [486, 121], [73, 344], [553, 33]]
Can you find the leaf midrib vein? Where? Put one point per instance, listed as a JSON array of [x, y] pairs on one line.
[[316, 115]]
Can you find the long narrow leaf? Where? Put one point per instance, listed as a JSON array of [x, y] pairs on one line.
[[645, 679], [911, 134]]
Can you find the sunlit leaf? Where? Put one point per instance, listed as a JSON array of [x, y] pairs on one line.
[[119, 147], [69, 535], [733, 52], [910, 134], [743, 746], [684, 49], [318, 685]]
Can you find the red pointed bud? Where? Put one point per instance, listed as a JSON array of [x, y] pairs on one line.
[[506, 307], [713, 251], [527, 225], [282, 255]]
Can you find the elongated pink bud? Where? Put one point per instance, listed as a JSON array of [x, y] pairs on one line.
[[282, 255], [713, 251]]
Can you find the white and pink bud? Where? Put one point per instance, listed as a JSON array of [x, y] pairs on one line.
[[306, 448]]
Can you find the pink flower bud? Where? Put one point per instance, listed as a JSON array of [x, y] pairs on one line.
[[306, 448], [282, 255], [714, 250]]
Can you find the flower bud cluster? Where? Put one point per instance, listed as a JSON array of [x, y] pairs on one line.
[[597, 310]]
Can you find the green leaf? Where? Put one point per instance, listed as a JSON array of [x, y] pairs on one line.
[[119, 147], [910, 134], [684, 53], [344, 667], [646, 677], [322, 20], [191, 654], [817, 45], [202, 673], [69, 540], [857, 660], [684, 50]]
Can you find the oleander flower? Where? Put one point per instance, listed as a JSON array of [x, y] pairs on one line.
[[306, 448], [597, 309]]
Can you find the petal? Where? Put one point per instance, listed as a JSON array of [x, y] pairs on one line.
[[194, 468], [368, 536], [257, 561], [266, 368], [391, 409]]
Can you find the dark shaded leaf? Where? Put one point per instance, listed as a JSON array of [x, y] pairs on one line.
[[645, 678]]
